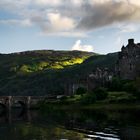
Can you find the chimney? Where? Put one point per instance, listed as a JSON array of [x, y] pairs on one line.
[[130, 41]]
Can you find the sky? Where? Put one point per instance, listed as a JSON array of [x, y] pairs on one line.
[[100, 26]]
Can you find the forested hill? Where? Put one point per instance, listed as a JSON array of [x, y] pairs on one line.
[[33, 61], [45, 72]]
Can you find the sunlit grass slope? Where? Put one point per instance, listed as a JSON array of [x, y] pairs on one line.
[[41, 60], [33, 61]]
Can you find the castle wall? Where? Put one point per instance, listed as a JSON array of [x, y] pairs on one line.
[[129, 61]]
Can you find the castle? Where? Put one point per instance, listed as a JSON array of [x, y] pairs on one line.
[[127, 68], [128, 64]]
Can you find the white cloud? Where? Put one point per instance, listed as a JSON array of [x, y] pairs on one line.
[[135, 2], [78, 46], [77, 2], [98, 1], [60, 23]]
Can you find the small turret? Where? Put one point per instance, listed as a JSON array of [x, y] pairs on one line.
[[130, 41]]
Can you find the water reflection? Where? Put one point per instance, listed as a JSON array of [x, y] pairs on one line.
[[18, 124], [9, 116], [101, 124]]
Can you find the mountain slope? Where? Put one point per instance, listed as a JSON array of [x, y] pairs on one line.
[[47, 72], [34, 61]]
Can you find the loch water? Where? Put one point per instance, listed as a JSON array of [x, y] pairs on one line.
[[20, 124]]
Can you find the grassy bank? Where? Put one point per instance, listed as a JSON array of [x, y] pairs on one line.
[[114, 101], [98, 105]]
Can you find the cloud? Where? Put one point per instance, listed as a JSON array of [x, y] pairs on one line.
[[78, 46], [71, 17], [13, 22], [135, 2], [15, 5], [129, 28], [77, 2], [60, 23], [64, 34], [48, 2], [104, 14]]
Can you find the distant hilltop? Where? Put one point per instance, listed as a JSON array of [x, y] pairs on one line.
[[51, 52]]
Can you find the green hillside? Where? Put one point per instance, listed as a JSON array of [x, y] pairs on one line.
[[46, 72], [33, 61]]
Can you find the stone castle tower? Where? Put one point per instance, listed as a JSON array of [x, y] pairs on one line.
[[128, 64]]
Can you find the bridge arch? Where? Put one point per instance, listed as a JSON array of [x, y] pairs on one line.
[[3, 105], [18, 103]]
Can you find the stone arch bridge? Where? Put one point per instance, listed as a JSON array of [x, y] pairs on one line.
[[24, 101]]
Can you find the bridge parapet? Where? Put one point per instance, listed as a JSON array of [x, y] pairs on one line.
[[25, 101]]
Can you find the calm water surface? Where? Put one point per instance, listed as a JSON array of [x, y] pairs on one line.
[[69, 125]]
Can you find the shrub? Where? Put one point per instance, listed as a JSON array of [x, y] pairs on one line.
[[137, 95], [116, 84], [130, 87], [101, 93], [88, 99], [63, 98]]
